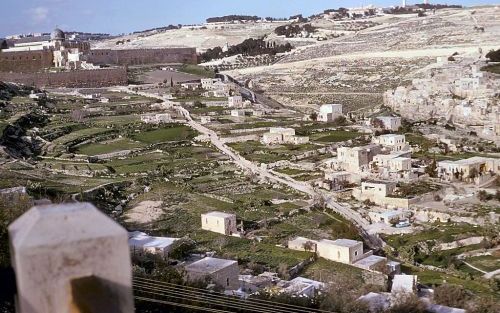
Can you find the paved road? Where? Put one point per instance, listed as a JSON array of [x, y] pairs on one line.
[[245, 164]]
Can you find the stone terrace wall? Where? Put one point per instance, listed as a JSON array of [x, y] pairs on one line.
[[71, 79], [25, 61], [142, 56]]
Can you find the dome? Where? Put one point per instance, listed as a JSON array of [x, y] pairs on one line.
[[57, 34]]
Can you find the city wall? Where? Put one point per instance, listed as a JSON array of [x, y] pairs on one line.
[[142, 56], [70, 79], [26, 61]]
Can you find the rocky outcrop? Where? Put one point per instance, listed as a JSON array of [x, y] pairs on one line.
[[16, 140]]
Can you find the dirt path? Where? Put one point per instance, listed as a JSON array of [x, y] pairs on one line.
[[245, 164]]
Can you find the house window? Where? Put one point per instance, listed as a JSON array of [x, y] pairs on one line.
[[338, 255], [356, 253], [206, 220], [227, 281]]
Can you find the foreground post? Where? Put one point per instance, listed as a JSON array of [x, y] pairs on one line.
[[70, 258]]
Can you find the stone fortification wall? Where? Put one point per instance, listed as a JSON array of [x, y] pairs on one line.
[[70, 79], [142, 56], [25, 61]]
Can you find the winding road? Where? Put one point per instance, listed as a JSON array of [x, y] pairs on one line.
[[247, 165]]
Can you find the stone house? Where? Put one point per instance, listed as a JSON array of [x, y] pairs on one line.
[[205, 119], [390, 122], [220, 271], [156, 118], [379, 192], [329, 112], [468, 169], [388, 217], [238, 113], [140, 243], [209, 83], [341, 250], [394, 142], [235, 102], [355, 159], [219, 222], [336, 181], [280, 135]]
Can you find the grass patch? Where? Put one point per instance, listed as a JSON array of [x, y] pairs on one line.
[[173, 133], [434, 278], [334, 136], [488, 263], [197, 70], [108, 147]]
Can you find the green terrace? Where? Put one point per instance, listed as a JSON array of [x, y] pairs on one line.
[[258, 152], [109, 146], [166, 134]]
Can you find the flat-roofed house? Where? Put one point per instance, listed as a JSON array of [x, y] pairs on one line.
[[394, 142], [329, 112], [355, 159], [376, 189], [208, 83], [156, 118], [341, 250], [390, 122], [220, 271], [235, 101], [140, 243], [281, 135], [219, 222], [465, 169]]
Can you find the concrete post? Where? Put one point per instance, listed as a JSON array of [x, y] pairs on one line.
[[70, 258]]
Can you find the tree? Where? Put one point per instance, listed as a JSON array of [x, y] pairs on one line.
[[484, 196], [308, 246], [494, 55], [377, 123], [340, 121], [283, 271], [473, 173], [451, 295], [182, 248], [431, 169]]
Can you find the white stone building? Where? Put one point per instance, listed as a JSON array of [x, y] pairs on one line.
[[394, 142], [209, 83], [141, 243], [220, 271], [238, 113], [475, 168], [354, 159], [280, 135], [329, 112], [341, 250], [392, 123], [156, 118], [219, 222], [235, 102]]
